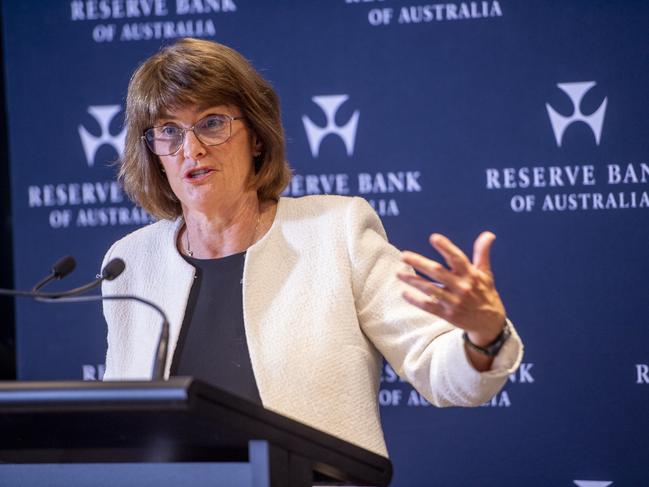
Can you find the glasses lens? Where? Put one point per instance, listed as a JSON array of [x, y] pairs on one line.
[[213, 130], [164, 140]]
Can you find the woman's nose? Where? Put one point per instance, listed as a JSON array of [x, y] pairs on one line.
[[192, 147]]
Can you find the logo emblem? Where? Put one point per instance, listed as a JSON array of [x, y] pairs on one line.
[[576, 92], [104, 114], [329, 105]]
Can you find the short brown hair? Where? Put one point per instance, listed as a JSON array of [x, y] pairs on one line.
[[202, 73]]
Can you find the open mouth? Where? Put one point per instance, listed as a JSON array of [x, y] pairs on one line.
[[197, 173]]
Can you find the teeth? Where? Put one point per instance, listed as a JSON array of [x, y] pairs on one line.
[[199, 172]]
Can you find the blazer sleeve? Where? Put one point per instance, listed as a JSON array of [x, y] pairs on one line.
[[422, 348]]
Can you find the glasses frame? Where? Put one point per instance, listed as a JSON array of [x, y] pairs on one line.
[[230, 119]]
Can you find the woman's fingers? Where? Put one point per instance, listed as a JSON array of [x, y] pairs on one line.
[[467, 296], [454, 257], [482, 250], [435, 291], [432, 269], [427, 303]]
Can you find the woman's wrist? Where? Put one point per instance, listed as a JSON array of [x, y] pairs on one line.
[[487, 344]]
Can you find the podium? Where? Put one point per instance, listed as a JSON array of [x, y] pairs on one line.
[[176, 432]]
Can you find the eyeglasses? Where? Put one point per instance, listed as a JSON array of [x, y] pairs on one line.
[[167, 139]]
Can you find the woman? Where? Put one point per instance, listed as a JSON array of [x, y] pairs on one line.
[[289, 302]]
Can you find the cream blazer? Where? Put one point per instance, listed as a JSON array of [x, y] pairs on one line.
[[321, 305]]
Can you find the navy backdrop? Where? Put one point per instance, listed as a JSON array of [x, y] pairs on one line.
[[527, 118]]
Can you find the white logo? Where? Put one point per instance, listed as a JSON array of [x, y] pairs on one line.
[[592, 483], [347, 132], [576, 92], [104, 114]]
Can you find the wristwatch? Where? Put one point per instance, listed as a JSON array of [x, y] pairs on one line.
[[494, 347]]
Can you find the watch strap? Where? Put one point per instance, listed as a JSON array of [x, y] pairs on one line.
[[492, 348]]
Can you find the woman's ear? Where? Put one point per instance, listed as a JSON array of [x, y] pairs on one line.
[[257, 150], [257, 146]]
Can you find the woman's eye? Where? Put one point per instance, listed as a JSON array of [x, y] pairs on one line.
[[213, 123], [168, 131]]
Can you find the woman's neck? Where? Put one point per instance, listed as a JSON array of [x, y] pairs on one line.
[[223, 231]]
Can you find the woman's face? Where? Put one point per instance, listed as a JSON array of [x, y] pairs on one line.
[[209, 178]]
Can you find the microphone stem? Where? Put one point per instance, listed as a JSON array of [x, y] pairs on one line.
[[43, 281], [160, 362], [49, 297], [71, 292]]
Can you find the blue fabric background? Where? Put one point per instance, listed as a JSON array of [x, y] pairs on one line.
[[444, 99]]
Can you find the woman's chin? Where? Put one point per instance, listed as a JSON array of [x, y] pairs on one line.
[[199, 204]]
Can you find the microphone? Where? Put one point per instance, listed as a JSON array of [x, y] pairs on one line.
[[113, 269], [110, 271], [160, 359], [60, 269]]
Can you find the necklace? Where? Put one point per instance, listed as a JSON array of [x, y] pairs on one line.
[[189, 249], [252, 239]]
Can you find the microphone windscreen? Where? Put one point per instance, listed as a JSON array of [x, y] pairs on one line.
[[64, 266], [113, 269]]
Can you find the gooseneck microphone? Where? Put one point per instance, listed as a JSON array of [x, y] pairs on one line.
[[60, 269], [112, 270]]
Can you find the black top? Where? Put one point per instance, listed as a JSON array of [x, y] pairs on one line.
[[212, 344]]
